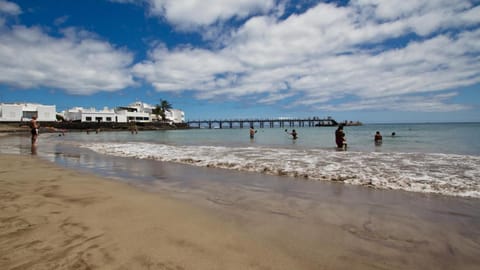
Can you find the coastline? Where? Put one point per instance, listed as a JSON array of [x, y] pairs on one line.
[[54, 217], [23, 127]]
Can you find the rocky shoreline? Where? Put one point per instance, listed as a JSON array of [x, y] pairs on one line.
[[20, 127]]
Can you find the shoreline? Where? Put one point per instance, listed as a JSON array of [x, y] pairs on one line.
[[49, 127], [224, 220]]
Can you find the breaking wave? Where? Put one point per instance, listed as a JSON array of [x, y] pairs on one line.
[[457, 175]]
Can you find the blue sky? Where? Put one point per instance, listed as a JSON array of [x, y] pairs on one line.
[[367, 60]]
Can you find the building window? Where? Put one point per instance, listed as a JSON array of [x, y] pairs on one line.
[[145, 118], [139, 118], [98, 119], [131, 118], [109, 119], [28, 114], [88, 118]]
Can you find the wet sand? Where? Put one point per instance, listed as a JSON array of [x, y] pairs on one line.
[[53, 218], [179, 217]]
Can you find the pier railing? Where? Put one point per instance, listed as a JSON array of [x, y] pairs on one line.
[[271, 123]]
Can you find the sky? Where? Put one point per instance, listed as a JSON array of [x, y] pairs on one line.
[[374, 61]]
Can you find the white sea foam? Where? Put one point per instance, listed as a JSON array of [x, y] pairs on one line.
[[457, 175]]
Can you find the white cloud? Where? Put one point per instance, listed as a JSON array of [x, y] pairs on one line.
[[193, 14], [429, 103], [9, 8], [77, 62], [61, 20], [187, 68], [330, 52], [398, 9], [422, 16], [272, 98]]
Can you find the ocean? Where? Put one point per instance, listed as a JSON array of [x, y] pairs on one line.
[[441, 158]]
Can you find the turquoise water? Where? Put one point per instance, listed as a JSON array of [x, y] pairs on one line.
[[450, 138], [426, 158]]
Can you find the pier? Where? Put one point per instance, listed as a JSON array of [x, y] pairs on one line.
[[262, 123]]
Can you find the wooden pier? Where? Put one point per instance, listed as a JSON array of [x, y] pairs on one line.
[[262, 123]]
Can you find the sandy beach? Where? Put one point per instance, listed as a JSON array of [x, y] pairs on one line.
[[52, 218], [58, 218]]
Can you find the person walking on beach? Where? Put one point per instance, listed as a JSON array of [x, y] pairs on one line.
[[378, 138], [340, 138], [34, 129]]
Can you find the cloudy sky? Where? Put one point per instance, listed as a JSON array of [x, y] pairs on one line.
[[367, 60]]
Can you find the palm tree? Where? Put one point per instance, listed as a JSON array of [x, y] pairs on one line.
[[161, 108], [157, 111]]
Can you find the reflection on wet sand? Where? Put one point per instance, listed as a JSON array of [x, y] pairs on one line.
[[34, 149], [317, 222]]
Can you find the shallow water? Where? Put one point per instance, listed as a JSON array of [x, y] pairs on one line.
[[426, 158], [455, 138]]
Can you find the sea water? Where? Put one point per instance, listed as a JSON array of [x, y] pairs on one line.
[[439, 158]]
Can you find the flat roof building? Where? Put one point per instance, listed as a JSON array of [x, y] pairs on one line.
[[20, 112]]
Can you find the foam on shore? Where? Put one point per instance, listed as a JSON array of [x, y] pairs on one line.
[[448, 174]]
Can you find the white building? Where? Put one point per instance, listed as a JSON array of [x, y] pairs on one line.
[[134, 112], [125, 116], [79, 114], [141, 107], [14, 112], [176, 116], [172, 115], [121, 115]]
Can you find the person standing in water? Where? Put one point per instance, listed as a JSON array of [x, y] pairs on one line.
[[252, 132], [133, 127], [34, 129], [378, 138], [293, 133], [340, 138]]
